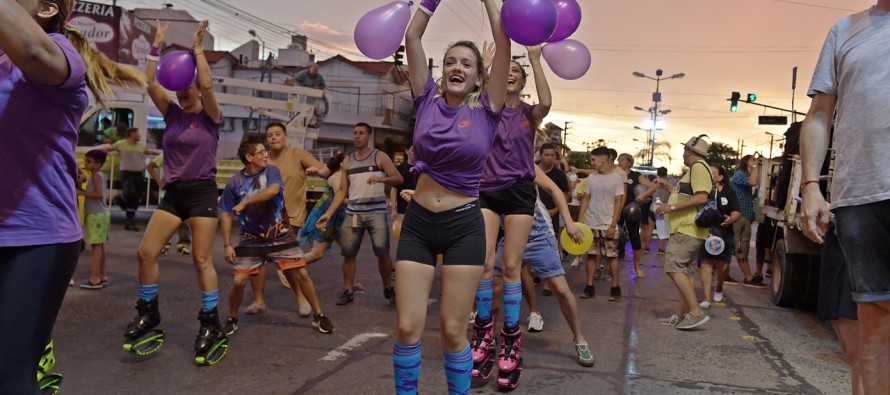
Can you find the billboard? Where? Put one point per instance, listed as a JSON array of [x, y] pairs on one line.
[[116, 33]]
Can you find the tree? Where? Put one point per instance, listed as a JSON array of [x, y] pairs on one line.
[[662, 153], [723, 155], [577, 159]]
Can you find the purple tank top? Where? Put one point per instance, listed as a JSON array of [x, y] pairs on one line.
[[451, 144], [190, 142], [512, 154], [38, 132]]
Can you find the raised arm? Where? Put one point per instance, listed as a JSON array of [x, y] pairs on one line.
[[204, 79], [28, 46], [500, 65], [313, 166], [157, 93], [545, 99], [418, 73]]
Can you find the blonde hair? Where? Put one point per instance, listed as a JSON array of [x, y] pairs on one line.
[[472, 100], [100, 70]]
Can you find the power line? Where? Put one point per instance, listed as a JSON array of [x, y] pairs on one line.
[[814, 5]]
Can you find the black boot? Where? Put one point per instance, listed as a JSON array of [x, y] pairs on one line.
[[210, 332], [147, 317]]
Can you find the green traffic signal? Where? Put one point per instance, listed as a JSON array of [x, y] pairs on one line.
[[734, 102], [752, 97]]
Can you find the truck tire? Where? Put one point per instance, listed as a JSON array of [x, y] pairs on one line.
[[790, 277]]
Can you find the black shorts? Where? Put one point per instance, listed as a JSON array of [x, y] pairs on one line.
[[835, 290], [646, 213], [864, 232], [187, 199], [517, 199], [458, 234]]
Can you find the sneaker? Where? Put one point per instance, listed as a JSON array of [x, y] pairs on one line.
[[731, 281], [231, 326], [184, 250], [588, 292], [304, 310], [705, 304], [673, 320], [756, 282], [472, 317], [535, 322], [390, 294], [482, 340], [584, 356], [769, 273], [345, 297], [606, 277], [718, 296], [692, 321], [646, 250], [165, 249], [547, 292], [90, 285], [660, 252], [576, 262], [615, 294], [323, 323], [255, 309]]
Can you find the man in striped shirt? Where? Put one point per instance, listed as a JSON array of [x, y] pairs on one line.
[[367, 171]]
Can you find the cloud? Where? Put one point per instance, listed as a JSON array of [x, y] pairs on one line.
[[318, 28]]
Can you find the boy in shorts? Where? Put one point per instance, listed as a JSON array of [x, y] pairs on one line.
[[256, 196], [97, 218]]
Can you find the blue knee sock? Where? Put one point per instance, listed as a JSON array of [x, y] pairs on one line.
[[148, 292], [406, 367], [459, 371], [209, 299], [512, 302], [483, 300]]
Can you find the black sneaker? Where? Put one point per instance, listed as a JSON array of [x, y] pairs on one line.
[[345, 297], [731, 281], [756, 282], [758, 278], [231, 326], [323, 323], [769, 273], [588, 292], [390, 294], [615, 294]]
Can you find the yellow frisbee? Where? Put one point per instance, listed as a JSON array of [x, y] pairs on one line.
[[577, 248]]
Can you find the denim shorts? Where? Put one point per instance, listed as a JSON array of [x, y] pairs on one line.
[[541, 256], [353, 229], [458, 234], [864, 233]]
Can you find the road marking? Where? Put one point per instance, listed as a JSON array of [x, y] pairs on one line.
[[735, 318], [749, 338], [350, 345]]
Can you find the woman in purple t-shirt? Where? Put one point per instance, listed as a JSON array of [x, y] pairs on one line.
[[456, 121], [190, 142], [43, 93]]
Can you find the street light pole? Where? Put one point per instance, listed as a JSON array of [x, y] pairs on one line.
[[565, 134], [656, 98]]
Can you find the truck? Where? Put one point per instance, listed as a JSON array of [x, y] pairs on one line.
[[242, 102], [795, 258]]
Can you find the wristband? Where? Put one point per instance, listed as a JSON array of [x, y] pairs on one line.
[[805, 183], [155, 51], [429, 6], [151, 57]]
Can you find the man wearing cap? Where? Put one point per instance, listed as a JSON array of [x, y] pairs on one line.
[[850, 79], [687, 238]]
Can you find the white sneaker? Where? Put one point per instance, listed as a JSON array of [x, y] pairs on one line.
[[473, 317], [718, 296], [705, 305], [535, 322], [576, 262]]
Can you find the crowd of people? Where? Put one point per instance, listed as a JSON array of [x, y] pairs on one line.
[[470, 180]]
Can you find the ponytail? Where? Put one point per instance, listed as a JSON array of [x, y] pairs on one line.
[[100, 70]]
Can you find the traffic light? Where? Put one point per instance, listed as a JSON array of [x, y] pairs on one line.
[[752, 98], [397, 57], [734, 102]]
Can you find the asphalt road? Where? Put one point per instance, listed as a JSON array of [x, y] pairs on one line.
[[749, 346]]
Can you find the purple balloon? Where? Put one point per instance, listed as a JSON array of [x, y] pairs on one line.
[[529, 22], [176, 70], [569, 59], [568, 21], [379, 33]]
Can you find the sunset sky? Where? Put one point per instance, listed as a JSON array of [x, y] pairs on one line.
[[721, 46]]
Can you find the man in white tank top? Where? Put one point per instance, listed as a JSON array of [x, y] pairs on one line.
[[367, 171]]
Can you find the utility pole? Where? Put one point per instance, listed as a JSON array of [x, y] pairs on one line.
[[656, 98], [565, 134]]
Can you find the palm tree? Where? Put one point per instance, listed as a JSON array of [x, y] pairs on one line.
[[662, 152]]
